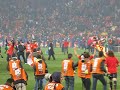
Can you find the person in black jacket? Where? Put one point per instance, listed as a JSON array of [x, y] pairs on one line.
[[51, 51], [20, 51]]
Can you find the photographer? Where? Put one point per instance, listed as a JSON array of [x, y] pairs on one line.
[[98, 71], [8, 85], [84, 70]]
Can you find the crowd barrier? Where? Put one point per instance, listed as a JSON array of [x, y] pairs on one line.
[[116, 48]]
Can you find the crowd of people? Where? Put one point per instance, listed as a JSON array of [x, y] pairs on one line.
[[88, 66], [57, 19], [27, 25]]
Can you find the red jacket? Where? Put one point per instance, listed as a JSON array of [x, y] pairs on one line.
[[112, 63]]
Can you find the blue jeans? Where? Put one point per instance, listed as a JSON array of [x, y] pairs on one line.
[[101, 78], [39, 84], [69, 83]]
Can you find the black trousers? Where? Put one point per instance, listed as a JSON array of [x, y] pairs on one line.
[[52, 56], [27, 54], [23, 56], [87, 83], [8, 57], [100, 77]]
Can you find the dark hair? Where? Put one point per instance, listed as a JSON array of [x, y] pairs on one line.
[[100, 54], [38, 56], [28, 42], [69, 55], [86, 54], [9, 81], [110, 53]]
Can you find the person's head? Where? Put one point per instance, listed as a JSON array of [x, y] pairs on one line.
[[86, 55], [28, 42], [110, 53], [10, 82], [56, 77], [51, 44], [100, 54], [69, 56], [33, 41], [39, 58], [14, 57], [38, 50]]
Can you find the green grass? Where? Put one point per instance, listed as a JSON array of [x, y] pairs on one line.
[[53, 65]]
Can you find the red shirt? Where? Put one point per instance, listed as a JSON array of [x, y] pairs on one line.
[[11, 49], [34, 45], [112, 63], [66, 43]]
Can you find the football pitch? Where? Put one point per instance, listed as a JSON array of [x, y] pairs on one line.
[[53, 65]]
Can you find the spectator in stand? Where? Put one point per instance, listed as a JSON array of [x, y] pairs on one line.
[[110, 44]]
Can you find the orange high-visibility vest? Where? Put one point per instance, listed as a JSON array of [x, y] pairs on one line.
[[5, 87], [40, 68], [54, 86], [84, 69], [19, 74], [67, 68], [13, 64], [96, 66]]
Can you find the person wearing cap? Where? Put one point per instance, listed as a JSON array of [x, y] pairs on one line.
[[84, 70], [68, 72], [8, 85], [55, 83], [40, 69]]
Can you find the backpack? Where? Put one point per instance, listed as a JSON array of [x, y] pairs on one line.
[[21, 48]]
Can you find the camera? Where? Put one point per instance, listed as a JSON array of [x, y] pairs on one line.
[[82, 58]]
